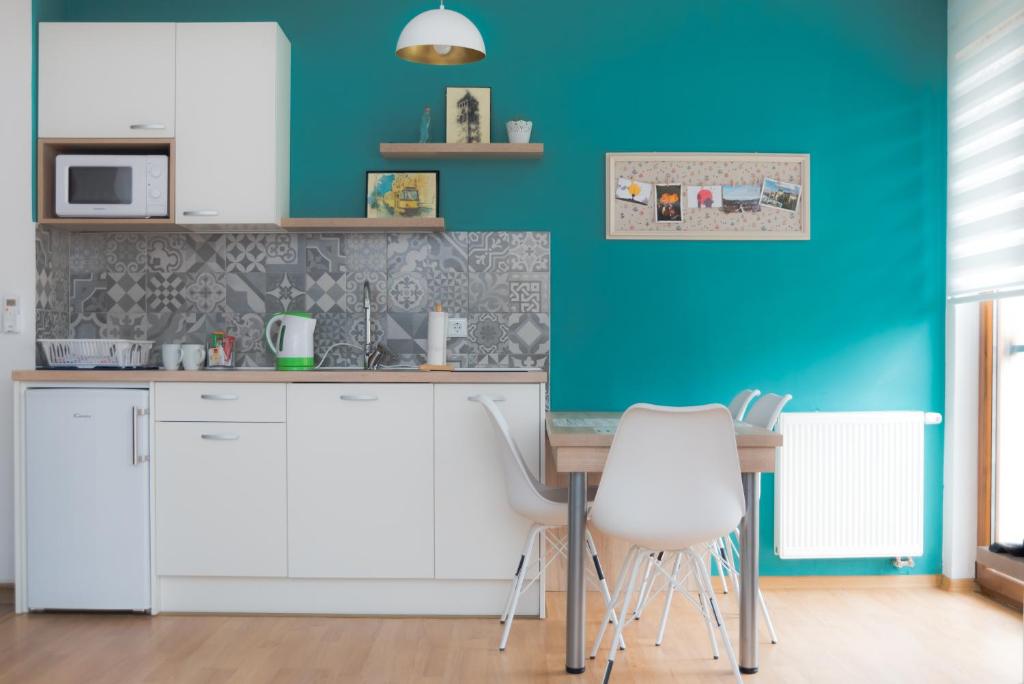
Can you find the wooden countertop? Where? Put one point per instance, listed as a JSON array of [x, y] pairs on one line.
[[404, 376]]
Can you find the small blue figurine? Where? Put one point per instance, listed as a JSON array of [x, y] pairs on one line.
[[425, 125]]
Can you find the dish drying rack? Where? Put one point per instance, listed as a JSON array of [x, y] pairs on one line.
[[86, 354]]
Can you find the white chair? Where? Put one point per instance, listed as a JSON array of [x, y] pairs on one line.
[[764, 413], [725, 550], [546, 507], [738, 405], [671, 483]]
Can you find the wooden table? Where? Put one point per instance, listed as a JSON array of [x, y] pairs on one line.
[[582, 448]]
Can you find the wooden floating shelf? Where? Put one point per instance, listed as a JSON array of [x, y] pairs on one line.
[[412, 225], [461, 150], [160, 225]]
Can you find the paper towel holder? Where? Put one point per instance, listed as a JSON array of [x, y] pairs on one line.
[[437, 327]]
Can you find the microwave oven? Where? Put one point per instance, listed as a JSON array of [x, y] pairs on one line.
[[110, 185]]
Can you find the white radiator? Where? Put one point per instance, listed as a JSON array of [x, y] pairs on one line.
[[851, 485]]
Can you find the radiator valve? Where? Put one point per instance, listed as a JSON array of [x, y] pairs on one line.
[[899, 562]]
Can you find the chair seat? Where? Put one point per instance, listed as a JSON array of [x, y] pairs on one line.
[[553, 509], [561, 494]]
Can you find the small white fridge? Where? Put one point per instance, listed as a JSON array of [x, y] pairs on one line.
[[87, 499]]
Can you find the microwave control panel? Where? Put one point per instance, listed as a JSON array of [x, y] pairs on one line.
[[156, 185]]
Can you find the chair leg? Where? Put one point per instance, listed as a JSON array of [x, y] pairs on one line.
[[669, 591], [733, 553], [719, 549], [708, 614], [535, 531], [602, 583], [704, 579], [645, 585], [515, 577], [767, 618], [734, 562], [619, 583], [625, 608]]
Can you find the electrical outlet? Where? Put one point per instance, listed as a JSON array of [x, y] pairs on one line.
[[457, 327]]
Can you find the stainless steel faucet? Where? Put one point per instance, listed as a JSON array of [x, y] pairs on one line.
[[367, 349]]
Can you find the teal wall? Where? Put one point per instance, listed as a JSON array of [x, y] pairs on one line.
[[851, 320]]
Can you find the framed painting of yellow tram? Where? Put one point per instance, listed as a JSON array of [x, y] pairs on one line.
[[403, 194]]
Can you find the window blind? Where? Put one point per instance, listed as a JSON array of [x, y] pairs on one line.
[[985, 234]]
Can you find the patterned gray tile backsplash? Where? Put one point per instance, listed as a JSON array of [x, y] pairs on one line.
[[179, 287]]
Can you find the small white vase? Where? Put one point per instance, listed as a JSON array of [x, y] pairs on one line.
[[519, 131]]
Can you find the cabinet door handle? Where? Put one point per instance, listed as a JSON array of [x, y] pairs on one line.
[[220, 397], [358, 397], [492, 397], [137, 458], [201, 212], [221, 436], [147, 127]]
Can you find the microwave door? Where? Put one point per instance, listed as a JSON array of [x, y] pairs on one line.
[[101, 186]]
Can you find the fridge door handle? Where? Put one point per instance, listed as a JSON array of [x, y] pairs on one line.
[[140, 437]]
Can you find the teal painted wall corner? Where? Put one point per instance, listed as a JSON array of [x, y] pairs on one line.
[[851, 320]]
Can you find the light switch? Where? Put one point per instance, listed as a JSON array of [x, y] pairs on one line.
[[12, 314]]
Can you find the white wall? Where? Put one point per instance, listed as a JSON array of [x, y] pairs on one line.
[[960, 470], [17, 237]]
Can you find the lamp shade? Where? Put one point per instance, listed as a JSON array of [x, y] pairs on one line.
[[440, 36]]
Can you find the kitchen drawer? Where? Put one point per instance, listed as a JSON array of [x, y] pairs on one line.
[[236, 402], [221, 499]]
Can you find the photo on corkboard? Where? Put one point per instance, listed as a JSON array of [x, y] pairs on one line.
[[704, 197], [630, 190], [669, 205], [741, 198], [780, 195]]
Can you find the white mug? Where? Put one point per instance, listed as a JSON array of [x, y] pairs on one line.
[[171, 355], [192, 356]]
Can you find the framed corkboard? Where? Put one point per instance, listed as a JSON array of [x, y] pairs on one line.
[[707, 196]]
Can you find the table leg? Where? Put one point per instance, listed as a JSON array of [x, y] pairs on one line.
[[749, 580], [575, 596]]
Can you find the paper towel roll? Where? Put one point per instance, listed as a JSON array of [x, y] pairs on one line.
[[437, 337]]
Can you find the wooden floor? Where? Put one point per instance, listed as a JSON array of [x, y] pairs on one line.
[[910, 635]]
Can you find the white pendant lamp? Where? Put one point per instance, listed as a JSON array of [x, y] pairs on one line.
[[440, 36]]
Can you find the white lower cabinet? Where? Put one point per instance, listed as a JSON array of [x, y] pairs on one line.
[[478, 536], [360, 481], [220, 499]]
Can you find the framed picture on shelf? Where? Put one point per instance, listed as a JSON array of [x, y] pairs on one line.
[[467, 112], [403, 194], [707, 196]]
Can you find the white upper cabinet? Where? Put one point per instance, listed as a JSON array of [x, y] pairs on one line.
[[232, 120], [106, 80]]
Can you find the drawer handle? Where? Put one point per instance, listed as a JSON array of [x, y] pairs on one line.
[[220, 397], [221, 436], [147, 127], [201, 212], [492, 397], [358, 397]]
